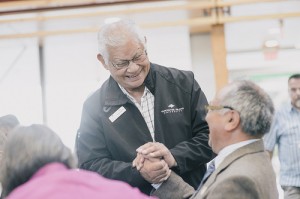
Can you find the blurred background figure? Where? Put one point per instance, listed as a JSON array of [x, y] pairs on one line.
[[285, 133], [36, 164]]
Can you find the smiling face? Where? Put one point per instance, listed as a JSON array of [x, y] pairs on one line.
[[217, 120], [133, 76], [223, 121]]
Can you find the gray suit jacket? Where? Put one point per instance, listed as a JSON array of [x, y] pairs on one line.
[[246, 173]]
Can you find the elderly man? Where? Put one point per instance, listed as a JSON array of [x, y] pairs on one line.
[[239, 115], [142, 102]]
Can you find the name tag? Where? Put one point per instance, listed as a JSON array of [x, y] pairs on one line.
[[117, 114]]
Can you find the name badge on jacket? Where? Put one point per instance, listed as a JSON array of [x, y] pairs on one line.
[[117, 114]]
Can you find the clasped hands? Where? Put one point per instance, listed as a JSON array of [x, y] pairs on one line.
[[154, 161]]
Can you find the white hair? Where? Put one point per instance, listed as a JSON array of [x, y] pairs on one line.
[[117, 34]]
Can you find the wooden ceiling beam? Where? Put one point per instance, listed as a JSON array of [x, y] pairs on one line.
[[230, 19], [29, 6], [50, 3], [192, 23], [220, 3], [207, 21], [32, 6], [122, 11], [198, 22]]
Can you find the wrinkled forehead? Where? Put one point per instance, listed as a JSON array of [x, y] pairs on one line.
[[126, 51]]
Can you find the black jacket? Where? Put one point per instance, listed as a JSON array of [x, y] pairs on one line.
[[179, 118]]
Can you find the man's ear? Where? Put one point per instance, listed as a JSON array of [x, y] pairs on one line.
[[101, 59], [233, 120]]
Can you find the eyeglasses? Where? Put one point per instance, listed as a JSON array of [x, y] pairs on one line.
[[216, 108], [125, 63]]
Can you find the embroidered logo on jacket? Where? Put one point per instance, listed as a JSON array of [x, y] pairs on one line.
[[172, 109]]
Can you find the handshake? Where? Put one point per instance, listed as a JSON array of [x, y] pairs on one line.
[[154, 161]]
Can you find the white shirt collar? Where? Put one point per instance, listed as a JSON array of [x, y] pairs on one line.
[[229, 149], [146, 90]]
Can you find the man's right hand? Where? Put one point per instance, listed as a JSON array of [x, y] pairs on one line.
[[138, 161], [157, 150], [155, 170]]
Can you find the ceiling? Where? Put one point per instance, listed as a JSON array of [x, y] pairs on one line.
[[30, 6], [199, 15]]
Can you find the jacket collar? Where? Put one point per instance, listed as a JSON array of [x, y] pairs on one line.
[[150, 79], [255, 147], [114, 95]]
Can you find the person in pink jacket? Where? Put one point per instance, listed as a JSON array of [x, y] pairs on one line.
[[36, 164]]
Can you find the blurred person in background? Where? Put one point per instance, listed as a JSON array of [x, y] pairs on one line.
[[36, 164], [285, 132], [238, 117], [142, 102]]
